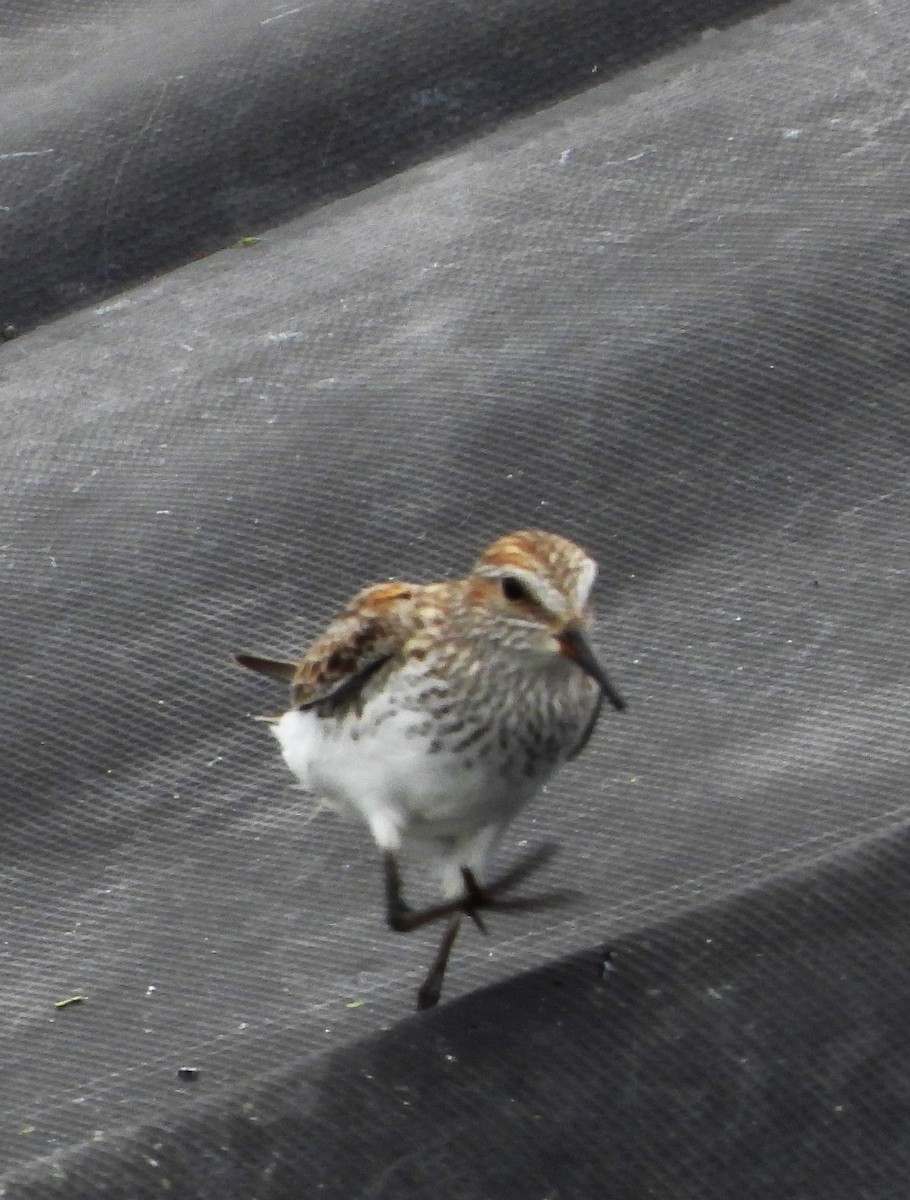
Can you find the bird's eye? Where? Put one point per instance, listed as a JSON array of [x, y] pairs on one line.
[[514, 589]]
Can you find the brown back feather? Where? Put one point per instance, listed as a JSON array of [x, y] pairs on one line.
[[370, 632]]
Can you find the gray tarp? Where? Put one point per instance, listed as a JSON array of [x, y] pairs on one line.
[[616, 273]]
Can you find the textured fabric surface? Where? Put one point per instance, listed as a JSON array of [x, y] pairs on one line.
[[144, 132], [666, 316]]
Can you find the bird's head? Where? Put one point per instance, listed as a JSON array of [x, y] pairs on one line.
[[536, 587]]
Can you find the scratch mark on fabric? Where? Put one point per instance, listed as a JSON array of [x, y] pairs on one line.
[[620, 162], [118, 174], [48, 187], [26, 154], [290, 13]]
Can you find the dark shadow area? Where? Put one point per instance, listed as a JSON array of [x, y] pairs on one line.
[[738, 1051], [171, 131]]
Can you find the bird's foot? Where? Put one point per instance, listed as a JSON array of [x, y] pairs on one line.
[[492, 895]]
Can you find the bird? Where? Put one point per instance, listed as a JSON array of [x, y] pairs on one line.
[[436, 711]]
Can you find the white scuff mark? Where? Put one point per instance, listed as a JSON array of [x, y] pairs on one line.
[[109, 308], [162, 512], [792, 134], [610, 235], [291, 12], [284, 336], [91, 475], [26, 154], [564, 157], [187, 347], [619, 162]]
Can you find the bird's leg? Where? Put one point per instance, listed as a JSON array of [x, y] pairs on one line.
[[475, 898], [397, 911], [399, 914], [431, 988], [479, 896], [403, 919]]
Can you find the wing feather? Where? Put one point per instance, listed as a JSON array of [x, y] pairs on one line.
[[275, 668], [589, 728], [366, 637]]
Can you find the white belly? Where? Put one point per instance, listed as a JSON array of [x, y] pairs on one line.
[[388, 773]]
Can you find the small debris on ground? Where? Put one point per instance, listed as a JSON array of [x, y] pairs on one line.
[[608, 964]]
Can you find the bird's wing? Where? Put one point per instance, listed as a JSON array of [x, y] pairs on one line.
[[589, 728], [364, 639], [275, 668]]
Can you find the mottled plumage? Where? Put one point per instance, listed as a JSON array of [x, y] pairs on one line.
[[435, 711]]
